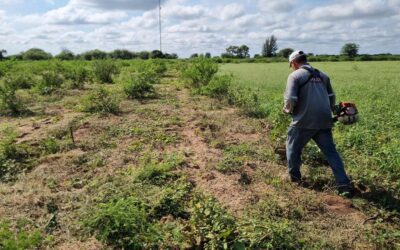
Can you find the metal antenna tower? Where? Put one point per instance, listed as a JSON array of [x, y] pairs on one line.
[[160, 22]]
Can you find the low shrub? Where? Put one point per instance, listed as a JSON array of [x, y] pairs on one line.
[[123, 224], [218, 87], [248, 101], [14, 158], [102, 101], [199, 72], [78, 76], [140, 86], [20, 81], [10, 101], [104, 70], [20, 239], [214, 228], [51, 81]]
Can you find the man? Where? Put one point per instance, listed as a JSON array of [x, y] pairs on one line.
[[310, 99]]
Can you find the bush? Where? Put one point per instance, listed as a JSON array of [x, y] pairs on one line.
[[248, 101], [140, 86], [21, 81], [104, 70], [14, 158], [78, 76], [218, 87], [10, 102], [158, 67], [200, 72], [21, 239], [123, 224], [51, 81], [101, 101], [214, 228]]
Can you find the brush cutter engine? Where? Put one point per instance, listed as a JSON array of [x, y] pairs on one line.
[[346, 113]]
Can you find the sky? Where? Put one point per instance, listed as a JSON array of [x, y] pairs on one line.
[[199, 26]]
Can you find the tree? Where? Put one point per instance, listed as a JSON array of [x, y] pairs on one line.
[[285, 52], [144, 55], [122, 54], [65, 55], [36, 54], [94, 55], [237, 52], [350, 49], [243, 51], [156, 54], [270, 47], [2, 53], [208, 55], [195, 55]]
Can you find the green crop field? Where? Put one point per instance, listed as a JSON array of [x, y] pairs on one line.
[[371, 148], [180, 154]]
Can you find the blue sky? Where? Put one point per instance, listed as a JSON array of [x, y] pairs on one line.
[[199, 26]]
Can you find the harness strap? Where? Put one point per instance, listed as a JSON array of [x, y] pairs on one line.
[[313, 73]]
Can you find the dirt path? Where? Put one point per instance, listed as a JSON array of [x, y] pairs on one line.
[[227, 188]]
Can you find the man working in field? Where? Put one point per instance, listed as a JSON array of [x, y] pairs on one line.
[[310, 99]]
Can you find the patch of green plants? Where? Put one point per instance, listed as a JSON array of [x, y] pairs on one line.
[[140, 86], [20, 80], [123, 224], [50, 82], [214, 228], [14, 158], [101, 100], [105, 70], [159, 173], [218, 87], [199, 72], [18, 238], [10, 102], [78, 76]]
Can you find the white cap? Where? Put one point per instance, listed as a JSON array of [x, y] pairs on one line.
[[296, 54]]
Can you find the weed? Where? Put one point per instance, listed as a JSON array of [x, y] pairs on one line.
[[10, 102], [214, 228], [102, 101], [51, 81], [218, 87], [104, 70], [18, 239], [123, 224], [199, 73], [14, 158], [139, 86]]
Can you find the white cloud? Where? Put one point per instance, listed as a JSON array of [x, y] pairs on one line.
[[118, 4], [276, 5], [71, 15], [352, 10], [231, 11], [184, 12]]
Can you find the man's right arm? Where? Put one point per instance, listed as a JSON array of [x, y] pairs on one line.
[[290, 96]]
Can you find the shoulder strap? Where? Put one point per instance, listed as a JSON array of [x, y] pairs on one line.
[[313, 73]]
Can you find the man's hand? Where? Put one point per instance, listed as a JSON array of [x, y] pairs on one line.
[[288, 107]]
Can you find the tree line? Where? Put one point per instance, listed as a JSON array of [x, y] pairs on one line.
[[270, 51], [39, 54]]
